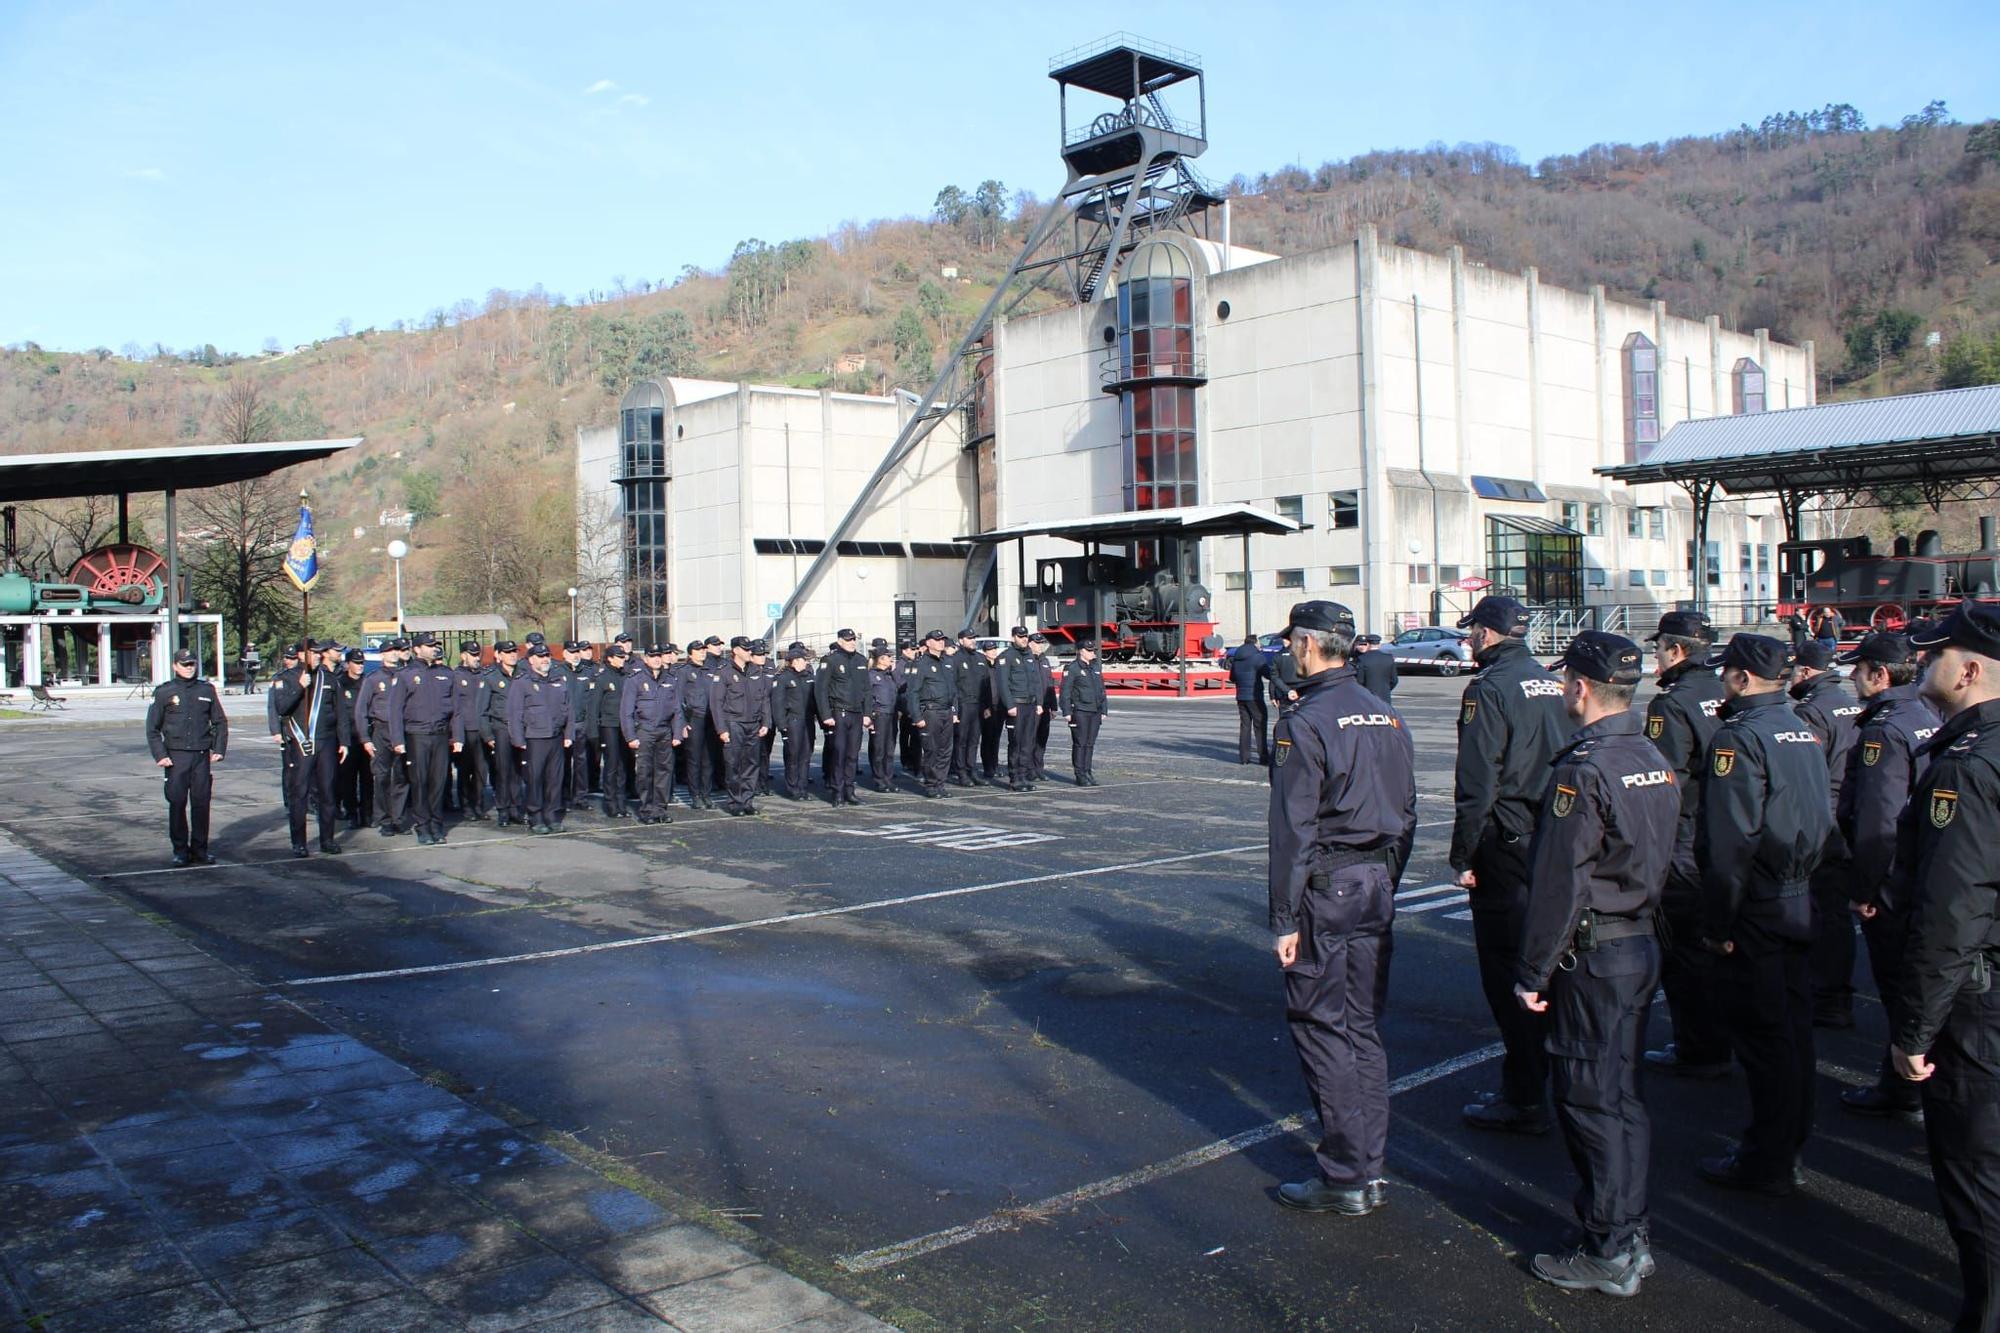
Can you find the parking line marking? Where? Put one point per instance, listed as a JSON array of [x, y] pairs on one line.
[[789, 917], [1434, 905], [1458, 916], [1014, 1218], [1411, 895]]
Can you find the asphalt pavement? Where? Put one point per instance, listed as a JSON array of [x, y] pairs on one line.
[[997, 1061]]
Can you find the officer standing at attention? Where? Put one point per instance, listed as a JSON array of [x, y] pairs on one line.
[[356, 782], [1826, 704], [502, 759], [706, 764], [603, 708], [420, 727], [992, 715], [909, 741], [392, 774], [586, 764], [541, 721], [885, 694], [288, 663], [1038, 646], [793, 713], [968, 667], [1511, 724], [932, 702], [1248, 670], [1883, 767], [840, 696], [187, 731], [1375, 668], [1948, 1030], [315, 739], [1084, 703], [1765, 817], [1343, 818], [1284, 679], [469, 761], [1680, 722], [739, 708], [760, 659], [653, 725], [1603, 842], [1018, 684]]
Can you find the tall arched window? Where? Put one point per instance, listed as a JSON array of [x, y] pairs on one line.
[[642, 440], [1642, 395], [1747, 386], [1156, 376]]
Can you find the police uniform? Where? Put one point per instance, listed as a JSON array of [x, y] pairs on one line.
[[931, 700], [1343, 817], [354, 785], [652, 718], [966, 664], [1045, 665], [992, 717], [739, 703], [699, 752], [1765, 817], [1511, 723], [1375, 669], [185, 724], [1018, 688], [604, 706], [793, 713], [841, 698], [885, 693], [1248, 670], [469, 761], [1950, 1006], [506, 763], [1681, 720], [314, 733], [392, 771], [1884, 764], [421, 709], [586, 763], [541, 721], [1084, 703], [1828, 707], [1603, 842]]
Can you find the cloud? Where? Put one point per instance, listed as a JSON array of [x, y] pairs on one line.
[[634, 99], [601, 86], [145, 174]]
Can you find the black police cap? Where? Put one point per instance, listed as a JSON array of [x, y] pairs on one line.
[[1369, 640], [796, 645], [1882, 647], [506, 646], [905, 642], [878, 642], [1038, 637], [398, 645], [967, 634], [1018, 632], [1610, 659], [621, 637], [468, 646], [1086, 642], [1497, 613], [1320, 616], [616, 651], [760, 648], [657, 649], [1815, 654], [739, 641], [425, 639], [1973, 626], [1759, 654], [538, 650], [1684, 625], [536, 636], [797, 655], [184, 658], [937, 635], [844, 634], [711, 642], [356, 655]]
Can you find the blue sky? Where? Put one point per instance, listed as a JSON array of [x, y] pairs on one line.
[[226, 172]]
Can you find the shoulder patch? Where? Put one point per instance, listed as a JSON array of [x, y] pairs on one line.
[[1565, 801], [1725, 763], [1468, 712], [1944, 805], [1283, 752], [1871, 753], [1656, 727]]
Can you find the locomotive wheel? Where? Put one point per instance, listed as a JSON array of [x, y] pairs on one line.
[[1889, 617]]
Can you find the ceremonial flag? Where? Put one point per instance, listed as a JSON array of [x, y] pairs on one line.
[[302, 559]]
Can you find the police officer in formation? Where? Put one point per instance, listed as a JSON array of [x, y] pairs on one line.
[[392, 778], [354, 785], [1343, 817], [488, 717], [541, 723], [1038, 648], [1511, 724], [841, 699], [992, 715], [881, 714], [1826, 704], [603, 714], [739, 709], [465, 794], [187, 731], [1249, 670], [422, 728], [700, 754], [1589, 959], [315, 732], [1018, 687], [793, 714], [930, 707], [653, 726], [1376, 669], [1084, 704]]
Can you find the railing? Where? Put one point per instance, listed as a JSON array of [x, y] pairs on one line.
[[1144, 46], [1176, 368], [1150, 113]]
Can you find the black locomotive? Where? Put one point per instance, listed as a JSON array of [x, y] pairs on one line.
[[1135, 614], [1886, 591]]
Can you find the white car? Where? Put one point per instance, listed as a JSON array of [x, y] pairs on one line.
[[1431, 648]]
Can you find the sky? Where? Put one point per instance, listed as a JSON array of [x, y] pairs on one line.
[[227, 173]]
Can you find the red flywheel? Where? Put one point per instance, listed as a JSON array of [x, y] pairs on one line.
[[123, 571]]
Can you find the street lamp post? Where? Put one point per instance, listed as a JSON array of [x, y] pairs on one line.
[[397, 550], [572, 613]]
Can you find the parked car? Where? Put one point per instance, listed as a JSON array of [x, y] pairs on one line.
[[1432, 648]]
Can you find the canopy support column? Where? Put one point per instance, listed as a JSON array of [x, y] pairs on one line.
[[1702, 491], [1247, 622], [173, 589]]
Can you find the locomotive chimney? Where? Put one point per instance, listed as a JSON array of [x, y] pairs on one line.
[[1986, 532], [1929, 543]]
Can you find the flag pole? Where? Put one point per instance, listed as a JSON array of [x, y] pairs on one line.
[[305, 596]]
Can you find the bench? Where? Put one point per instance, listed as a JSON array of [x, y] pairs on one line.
[[41, 698]]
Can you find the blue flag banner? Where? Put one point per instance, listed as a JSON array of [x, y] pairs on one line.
[[302, 560]]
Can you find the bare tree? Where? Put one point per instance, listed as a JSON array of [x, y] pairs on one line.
[[54, 537], [600, 561], [244, 529]]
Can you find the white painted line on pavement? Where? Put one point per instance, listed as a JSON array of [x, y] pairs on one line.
[[869, 1260], [1411, 895], [1458, 916], [786, 919], [1434, 905]]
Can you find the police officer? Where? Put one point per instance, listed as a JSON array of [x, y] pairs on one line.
[[841, 697], [1018, 684], [1947, 1030], [793, 714], [699, 753], [603, 712], [653, 726], [542, 722], [1249, 669], [421, 709], [739, 708], [187, 731], [1511, 724], [1680, 721], [992, 715], [355, 784], [1284, 679], [760, 660], [1084, 704], [1603, 842], [1885, 763], [1038, 647], [1765, 816], [885, 694], [503, 761], [585, 763], [469, 760], [288, 663], [909, 741], [315, 740], [1375, 668], [1343, 817], [371, 719], [930, 698], [967, 668], [1826, 704]]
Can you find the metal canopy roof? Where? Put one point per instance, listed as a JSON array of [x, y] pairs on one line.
[[1217, 520], [1529, 523], [124, 471], [1940, 443], [1106, 66]]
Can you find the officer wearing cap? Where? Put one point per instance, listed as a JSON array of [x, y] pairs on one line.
[[1680, 721], [701, 752], [315, 736], [840, 697], [1946, 1024], [581, 777], [1248, 670], [391, 768], [1017, 684], [760, 661], [909, 741], [1084, 704], [1826, 704], [542, 723], [1375, 669], [793, 712], [503, 761], [992, 715], [273, 725], [1765, 815], [739, 708], [187, 730], [467, 792], [1038, 647], [653, 725], [1342, 821], [421, 708], [930, 701], [968, 671], [1511, 724], [603, 713], [1603, 842], [1885, 763], [354, 785], [885, 693]]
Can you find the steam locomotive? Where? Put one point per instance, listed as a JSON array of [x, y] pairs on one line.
[[119, 578], [1886, 592], [1135, 614]]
